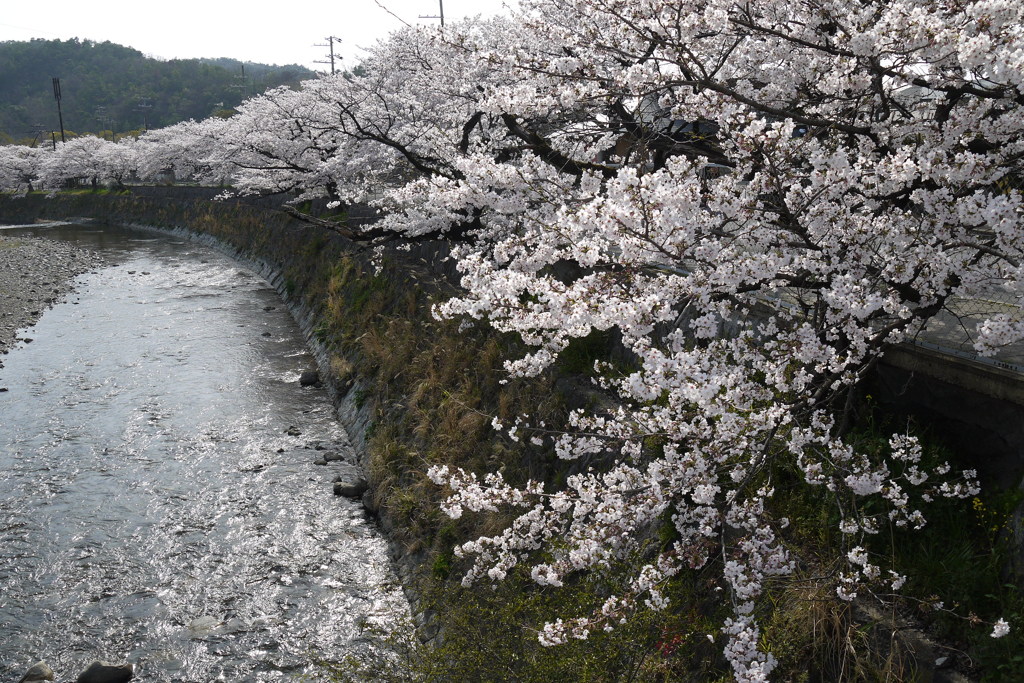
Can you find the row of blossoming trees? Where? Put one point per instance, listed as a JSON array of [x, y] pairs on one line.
[[817, 178]]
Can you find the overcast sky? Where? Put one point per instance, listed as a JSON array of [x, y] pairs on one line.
[[272, 32]]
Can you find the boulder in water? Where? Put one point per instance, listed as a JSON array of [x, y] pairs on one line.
[[309, 378], [39, 672], [351, 489], [369, 504], [203, 626], [103, 672]]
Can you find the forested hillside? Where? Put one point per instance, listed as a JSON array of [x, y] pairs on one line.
[[108, 87]]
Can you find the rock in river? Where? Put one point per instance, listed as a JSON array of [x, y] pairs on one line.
[[350, 489], [38, 673], [102, 672]]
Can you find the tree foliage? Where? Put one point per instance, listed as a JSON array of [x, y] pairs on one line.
[[104, 84]]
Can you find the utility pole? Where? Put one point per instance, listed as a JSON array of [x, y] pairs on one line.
[[243, 85], [101, 120], [39, 133], [440, 7], [329, 44], [106, 121], [144, 106], [36, 132], [60, 114]]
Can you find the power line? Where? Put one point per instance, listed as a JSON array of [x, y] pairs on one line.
[[31, 30]]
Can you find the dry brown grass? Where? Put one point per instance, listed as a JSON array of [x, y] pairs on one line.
[[341, 368], [817, 636]]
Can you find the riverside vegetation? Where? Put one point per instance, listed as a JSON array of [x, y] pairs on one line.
[[432, 389]]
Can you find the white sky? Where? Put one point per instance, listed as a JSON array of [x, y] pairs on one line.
[[256, 31]]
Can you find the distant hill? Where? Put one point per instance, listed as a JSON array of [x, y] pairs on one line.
[[107, 87]]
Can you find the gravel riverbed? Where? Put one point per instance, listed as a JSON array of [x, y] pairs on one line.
[[35, 273]]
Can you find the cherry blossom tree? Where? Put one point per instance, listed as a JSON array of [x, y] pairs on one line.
[[19, 167], [759, 200], [872, 157], [411, 115], [87, 158], [182, 151], [117, 162]]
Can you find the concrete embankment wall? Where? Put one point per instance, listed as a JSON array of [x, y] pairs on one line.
[[977, 409]]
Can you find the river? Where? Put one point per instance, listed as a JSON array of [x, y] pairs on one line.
[[159, 501]]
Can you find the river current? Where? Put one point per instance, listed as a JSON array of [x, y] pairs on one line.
[[159, 503]]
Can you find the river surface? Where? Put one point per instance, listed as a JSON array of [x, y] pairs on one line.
[[153, 506]]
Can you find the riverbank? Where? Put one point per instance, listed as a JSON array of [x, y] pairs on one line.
[[35, 273]]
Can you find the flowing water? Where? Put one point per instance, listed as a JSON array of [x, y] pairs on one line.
[[154, 507]]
